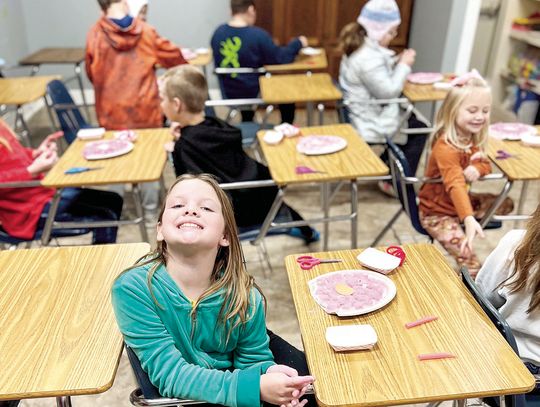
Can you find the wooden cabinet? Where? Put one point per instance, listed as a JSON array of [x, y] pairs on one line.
[[321, 21]]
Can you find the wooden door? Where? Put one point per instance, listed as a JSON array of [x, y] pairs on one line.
[[321, 21]]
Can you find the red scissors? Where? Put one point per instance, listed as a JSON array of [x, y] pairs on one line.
[[308, 262], [397, 252]]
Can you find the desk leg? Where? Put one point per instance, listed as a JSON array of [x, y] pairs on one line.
[[502, 196], [25, 133], [47, 229], [521, 203], [354, 214], [278, 200], [64, 401], [326, 211], [309, 113], [320, 108], [78, 74], [139, 211]]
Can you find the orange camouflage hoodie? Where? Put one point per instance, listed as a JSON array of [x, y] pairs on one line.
[[452, 196], [121, 65]]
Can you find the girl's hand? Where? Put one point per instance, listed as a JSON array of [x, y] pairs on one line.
[[43, 162], [408, 57], [471, 173], [282, 390], [303, 40], [176, 129], [289, 371], [472, 228], [49, 144], [169, 146]]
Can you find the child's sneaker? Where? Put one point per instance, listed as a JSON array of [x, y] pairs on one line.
[[297, 232], [387, 188]]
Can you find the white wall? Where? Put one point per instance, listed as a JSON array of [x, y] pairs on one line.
[[34, 24], [13, 41]]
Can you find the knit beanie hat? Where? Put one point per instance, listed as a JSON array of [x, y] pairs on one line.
[[378, 17], [135, 6]]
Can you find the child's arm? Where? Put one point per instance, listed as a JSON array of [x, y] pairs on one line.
[[271, 54], [481, 163], [167, 54], [381, 83], [498, 267], [146, 334]]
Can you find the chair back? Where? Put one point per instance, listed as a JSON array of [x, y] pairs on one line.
[[517, 400], [69, 116], [147, 394], [400, 170]]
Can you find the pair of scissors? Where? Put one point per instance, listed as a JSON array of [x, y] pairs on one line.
[[503, 155], [308, 262], [397, 252], [77, 170]]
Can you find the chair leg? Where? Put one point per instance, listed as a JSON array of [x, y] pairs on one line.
[[264, 258], [387, 227]]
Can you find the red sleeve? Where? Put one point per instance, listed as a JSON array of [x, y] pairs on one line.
[[11, 173], [449, 164], [167, 53], [88, 57]]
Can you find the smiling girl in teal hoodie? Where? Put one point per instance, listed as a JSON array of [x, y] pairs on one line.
[[193, 315]]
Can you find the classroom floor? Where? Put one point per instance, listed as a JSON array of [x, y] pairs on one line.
[[375, 209]]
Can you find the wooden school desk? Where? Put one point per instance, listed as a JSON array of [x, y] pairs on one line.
[[61, 56], [356, 161], [523, 166], [390, 373], [302, 63], [59, 335], [308, 88], [424, 93], [144, 163], [22, 90]]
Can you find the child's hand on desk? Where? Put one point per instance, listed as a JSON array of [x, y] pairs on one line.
[[49, 144], [43, 162], [280, 389], [472, 228], [471, 174], [169, 146], [303, 40]]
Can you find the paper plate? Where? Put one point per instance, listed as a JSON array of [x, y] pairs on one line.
[[351, 337], [188, 54], [273, 137], [309, 51], [511, 131], [531, 140], [378, 261], [202, 51], [352, 292], [318, 145], [99, 150], [425, 78]]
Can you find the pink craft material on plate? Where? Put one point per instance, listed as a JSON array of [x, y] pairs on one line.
[[511, 131], [433, 356], [319, 145], [98, 150], [425, 78], [421, 321], [352, 292], [127, 135]]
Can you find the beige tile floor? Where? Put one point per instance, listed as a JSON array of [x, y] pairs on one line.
[[374, 211]]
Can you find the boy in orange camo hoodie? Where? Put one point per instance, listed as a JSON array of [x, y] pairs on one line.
[[121, 55]]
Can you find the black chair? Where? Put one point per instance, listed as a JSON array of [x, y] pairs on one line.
[[147, 394], [404, 181], [69, 116], [517, 400]]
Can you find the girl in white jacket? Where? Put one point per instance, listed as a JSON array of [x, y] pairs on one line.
[[510, 279], [369, 71]]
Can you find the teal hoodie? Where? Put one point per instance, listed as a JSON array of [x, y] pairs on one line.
[[187, 357]]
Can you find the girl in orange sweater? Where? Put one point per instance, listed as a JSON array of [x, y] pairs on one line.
[[457, 157]]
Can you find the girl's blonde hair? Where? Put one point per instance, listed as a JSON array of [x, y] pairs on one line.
[[229, 273], [445, 123], [351, 37], [526, 273]]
